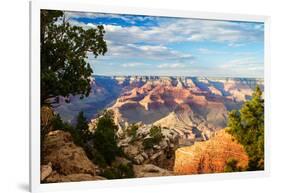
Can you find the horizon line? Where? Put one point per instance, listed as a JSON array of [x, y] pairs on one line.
[[192, 76]]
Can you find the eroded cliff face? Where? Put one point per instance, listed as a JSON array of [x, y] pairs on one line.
[[210, 156], [193, 101], [154, 97], [189, 109]]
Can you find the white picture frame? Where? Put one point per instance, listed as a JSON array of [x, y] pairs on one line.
[[35, 6]]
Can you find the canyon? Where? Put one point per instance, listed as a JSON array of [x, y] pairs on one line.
[[191, 112]]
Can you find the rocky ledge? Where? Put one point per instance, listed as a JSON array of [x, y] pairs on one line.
[[150, 170], [63, 161]]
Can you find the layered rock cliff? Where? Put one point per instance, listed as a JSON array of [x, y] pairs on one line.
[[210, 156]]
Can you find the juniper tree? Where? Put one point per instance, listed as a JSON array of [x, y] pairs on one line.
[[64, 50]]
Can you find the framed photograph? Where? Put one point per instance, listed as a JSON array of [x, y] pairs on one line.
[[126, 96]]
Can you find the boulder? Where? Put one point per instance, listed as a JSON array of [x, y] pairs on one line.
[[144, 155], [139, 159], [46, 171], [131, 150], [47, 114], [66, 157], [150, 170], [156, 155]]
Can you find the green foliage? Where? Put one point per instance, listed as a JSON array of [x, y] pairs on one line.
[[64, 50], [247, 126], [105, 140], [82, 126], [231, 166], [156, 134], [119, 172], [148, 143], [154, 139], [97, 158]]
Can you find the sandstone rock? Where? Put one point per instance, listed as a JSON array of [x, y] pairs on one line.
[[131, 150], [66, 157], [163, 144], [47, 115], [150, 170], [56, 177], [139, 159], [156, 147], [144, 155], [46, 170], [156, 155], [209, 156]]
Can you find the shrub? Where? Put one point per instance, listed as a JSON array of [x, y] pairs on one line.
[[148, 143], [156, 134], [231, 166], [119, 172], [154, 139]]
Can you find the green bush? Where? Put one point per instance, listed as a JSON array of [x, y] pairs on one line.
[[231, 166], [119, 172], [154, 139], [148, 143], [156, 134]]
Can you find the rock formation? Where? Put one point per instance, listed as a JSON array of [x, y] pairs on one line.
[[64, 161], [210, 156], [149, 170], [155, 97]]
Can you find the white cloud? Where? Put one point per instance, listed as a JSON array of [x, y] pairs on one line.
[[148, 52], [178, 30], [248, 66], [242, 62], [130, 65], [139, 43], [149, 42], [171, 66]]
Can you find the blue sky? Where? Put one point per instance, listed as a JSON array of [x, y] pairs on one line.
[[147, 45]]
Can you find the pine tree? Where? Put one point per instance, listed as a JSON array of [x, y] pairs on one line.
[[82, 126], [105, 139], [247, 126]]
